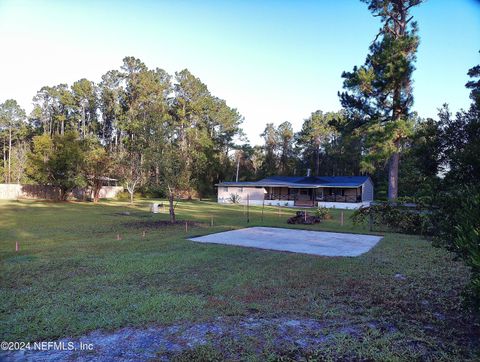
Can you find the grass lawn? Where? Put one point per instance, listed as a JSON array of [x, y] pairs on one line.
[[72, 276]]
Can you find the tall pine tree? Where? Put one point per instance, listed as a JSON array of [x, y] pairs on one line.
[[378, 94]]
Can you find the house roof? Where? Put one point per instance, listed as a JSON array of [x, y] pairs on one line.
[[303, 182]]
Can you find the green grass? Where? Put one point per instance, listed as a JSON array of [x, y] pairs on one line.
[[72, 276]]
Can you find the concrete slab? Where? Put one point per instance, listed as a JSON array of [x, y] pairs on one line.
[[295, 240]]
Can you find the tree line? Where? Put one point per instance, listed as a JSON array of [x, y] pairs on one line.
[[150, 130], [168, 135]]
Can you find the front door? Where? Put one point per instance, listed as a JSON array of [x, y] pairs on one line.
[[304, 197]]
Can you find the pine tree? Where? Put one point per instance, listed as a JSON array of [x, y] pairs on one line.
[[378, 95]]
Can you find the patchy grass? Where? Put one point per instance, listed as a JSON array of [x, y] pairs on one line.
[[72, 276]]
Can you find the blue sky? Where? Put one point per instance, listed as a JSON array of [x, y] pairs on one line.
[[274, 61]]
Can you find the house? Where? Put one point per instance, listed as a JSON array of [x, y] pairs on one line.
[[345, 192]]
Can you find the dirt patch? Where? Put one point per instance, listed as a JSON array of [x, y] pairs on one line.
[[302, 217], [166, 342], [157, 224]]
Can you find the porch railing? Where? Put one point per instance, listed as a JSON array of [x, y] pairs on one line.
[[325, 198], [341, 198], [284, 197]]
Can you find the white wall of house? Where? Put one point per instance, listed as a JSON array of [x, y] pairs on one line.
[[255, 194]]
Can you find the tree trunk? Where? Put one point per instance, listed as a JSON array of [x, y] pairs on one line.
[[63, 194], [83, 121], [317, 160], [131, 197], [4, 159], [9, 153], [398, 111], [96, 192], [238, 169], [393, 164], [393, 176], [171, 207]]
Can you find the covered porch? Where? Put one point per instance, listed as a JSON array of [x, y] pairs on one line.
[[311, 196]]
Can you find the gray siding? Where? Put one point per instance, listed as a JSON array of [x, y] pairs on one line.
[[367, 190]]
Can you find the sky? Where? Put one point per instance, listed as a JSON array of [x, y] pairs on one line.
[[274, 61]]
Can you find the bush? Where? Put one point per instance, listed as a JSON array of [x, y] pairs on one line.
[[323, 213], [234, 198], [395, 217], [457, 226], [125, 196], [153, 192]]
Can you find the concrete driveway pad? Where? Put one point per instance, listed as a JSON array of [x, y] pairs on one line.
[[295, 240]]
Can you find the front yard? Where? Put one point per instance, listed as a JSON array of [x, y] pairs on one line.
[[84, 267]]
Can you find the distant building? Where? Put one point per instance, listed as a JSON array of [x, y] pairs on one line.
[[345, 192]]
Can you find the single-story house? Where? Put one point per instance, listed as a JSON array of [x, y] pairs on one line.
[[345, 192]]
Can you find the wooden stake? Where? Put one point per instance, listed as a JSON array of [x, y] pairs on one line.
[[263, 207], [143, 234], [17, 247], [186, 226], [248, 208], [118, 237], [305, 215], [341, 218], [211, 222]]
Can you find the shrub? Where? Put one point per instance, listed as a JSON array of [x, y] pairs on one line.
[[125, 196], [457, 226], [234, 198], [153, 192], [323, 213], [395, 217]]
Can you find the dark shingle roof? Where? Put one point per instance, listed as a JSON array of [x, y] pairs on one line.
[[302, 181]]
